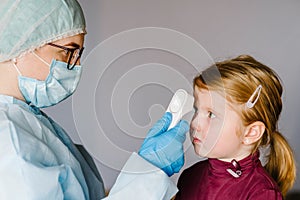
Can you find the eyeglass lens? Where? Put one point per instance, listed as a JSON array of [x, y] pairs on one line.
[[74, 54], [74, 57]]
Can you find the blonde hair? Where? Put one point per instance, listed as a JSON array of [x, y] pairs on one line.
[[237, 79]]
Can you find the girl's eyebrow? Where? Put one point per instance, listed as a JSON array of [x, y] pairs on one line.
[[212, 110]]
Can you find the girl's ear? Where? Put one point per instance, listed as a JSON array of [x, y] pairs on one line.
[[253, 132]]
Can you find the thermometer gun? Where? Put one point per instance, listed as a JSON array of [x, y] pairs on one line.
[[180, 104]]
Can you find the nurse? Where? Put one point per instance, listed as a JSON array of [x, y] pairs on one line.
[[41, 43]]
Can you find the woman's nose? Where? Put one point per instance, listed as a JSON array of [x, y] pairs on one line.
[[78, 62]]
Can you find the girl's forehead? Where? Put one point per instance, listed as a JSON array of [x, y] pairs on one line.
[[208, 96], [210, 99]]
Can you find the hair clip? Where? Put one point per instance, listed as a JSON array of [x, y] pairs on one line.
[[250, 103]]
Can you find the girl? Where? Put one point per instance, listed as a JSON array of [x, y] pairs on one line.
[[237, 106]]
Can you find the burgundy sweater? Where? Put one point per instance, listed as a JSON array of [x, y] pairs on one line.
[[214, 179]]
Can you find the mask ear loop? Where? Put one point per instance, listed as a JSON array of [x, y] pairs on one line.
[[14, 61], [41, 59], [250, 103]]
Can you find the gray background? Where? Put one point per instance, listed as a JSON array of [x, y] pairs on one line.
[[268, 30]]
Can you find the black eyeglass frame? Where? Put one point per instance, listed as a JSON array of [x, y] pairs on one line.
[[71, 50]]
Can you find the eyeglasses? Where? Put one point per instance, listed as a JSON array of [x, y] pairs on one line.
[[73, 53]]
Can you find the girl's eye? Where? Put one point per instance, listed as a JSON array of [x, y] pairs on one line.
[[211, 115]]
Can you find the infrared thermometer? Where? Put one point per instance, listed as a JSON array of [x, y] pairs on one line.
[[180, 104]]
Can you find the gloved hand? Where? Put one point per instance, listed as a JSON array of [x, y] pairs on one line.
[[163, 148]]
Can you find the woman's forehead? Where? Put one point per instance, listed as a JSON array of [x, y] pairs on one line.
[[78, 39]]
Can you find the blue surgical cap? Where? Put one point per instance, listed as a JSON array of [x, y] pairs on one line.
[[28, 24]]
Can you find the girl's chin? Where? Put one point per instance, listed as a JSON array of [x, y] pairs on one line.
[[201, 152], [198, 151]]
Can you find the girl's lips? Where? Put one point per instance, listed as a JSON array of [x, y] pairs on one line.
[[196, 140]]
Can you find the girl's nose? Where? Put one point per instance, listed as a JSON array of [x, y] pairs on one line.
[[195, 124]]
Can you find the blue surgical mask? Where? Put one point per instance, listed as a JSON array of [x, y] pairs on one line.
[[59, 84]]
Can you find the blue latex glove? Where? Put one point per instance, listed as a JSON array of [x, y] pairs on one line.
[[163, 148]]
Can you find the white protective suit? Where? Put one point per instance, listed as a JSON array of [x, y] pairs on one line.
[[39, 161]]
